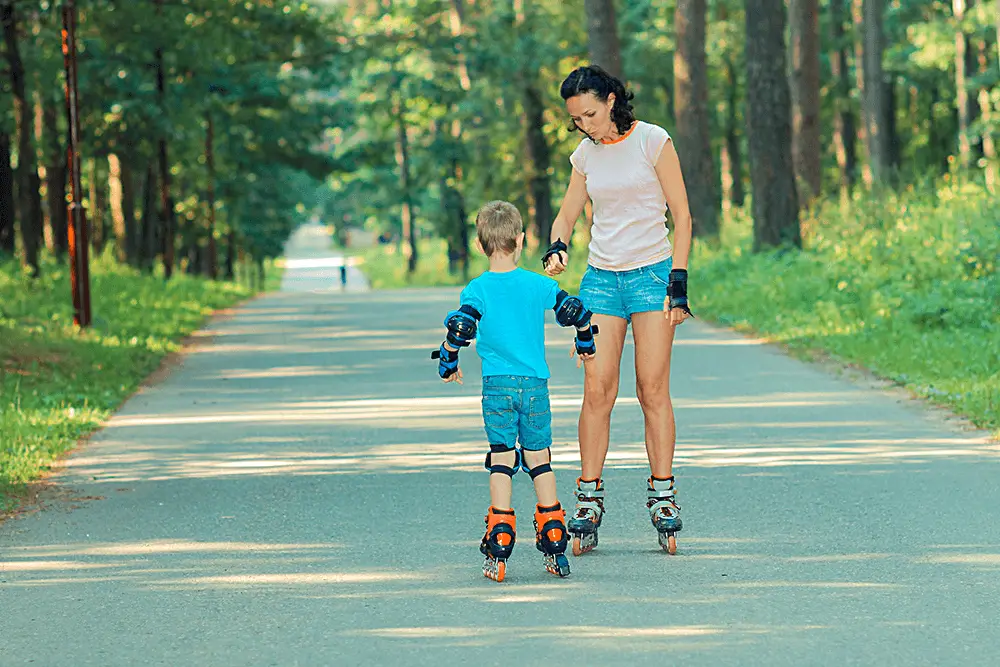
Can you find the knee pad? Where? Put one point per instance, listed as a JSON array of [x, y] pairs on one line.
[[543, 468], [498, 468]]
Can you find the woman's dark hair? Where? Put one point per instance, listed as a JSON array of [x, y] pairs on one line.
[[593, 79]]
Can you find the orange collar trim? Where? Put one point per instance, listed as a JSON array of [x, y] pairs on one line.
[[623, 137]]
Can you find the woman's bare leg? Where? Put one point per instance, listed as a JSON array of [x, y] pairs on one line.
[[654, 339], [599, 393]]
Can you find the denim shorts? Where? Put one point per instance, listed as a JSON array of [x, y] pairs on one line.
[[624, 293], [516, 409]]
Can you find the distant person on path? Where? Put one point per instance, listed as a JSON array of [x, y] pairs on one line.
[[504, 311], [630, 171]]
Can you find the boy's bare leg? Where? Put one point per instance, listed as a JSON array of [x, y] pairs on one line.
[[545, 484], [500, 484]]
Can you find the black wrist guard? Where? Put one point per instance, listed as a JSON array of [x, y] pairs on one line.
[[677, 290], [554, 249]]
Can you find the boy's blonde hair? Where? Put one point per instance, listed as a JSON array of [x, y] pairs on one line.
[[498, 226]]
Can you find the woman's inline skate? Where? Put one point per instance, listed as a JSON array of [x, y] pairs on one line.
[[498, 542], [588, 514], [551, 538], [664, 512]]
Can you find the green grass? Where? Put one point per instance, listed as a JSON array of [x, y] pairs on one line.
[[58, 383], [905, 285]]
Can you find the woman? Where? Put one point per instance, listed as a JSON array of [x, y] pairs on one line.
[[630, 171]]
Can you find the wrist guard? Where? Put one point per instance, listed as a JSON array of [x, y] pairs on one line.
[[448, 361], [677, 290], [554, 249], [585, 343]]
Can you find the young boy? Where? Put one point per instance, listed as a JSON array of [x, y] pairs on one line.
[[504, 310]]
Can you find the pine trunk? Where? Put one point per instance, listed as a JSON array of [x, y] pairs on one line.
[[876, 98], [693, 140], [805, 85], [8, 219], [602, 32], [28, 182], [769, 130], [538, 163], [844, 128]]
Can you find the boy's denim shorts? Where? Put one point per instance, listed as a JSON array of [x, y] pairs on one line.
[[516, 409], [624, 293]]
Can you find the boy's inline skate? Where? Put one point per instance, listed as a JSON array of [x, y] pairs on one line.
[[551, 538], [498, 542], [587, 518], [664, 512]]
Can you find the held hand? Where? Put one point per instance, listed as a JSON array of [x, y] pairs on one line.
[[454, 377], [556, 264], [580, 358]]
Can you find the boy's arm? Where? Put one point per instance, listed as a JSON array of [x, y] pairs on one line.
[[462, 326], [570, 311]]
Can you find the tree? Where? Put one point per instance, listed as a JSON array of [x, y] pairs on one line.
[[769, 132], [29, 185], [805, 83], [844, 133], [602, 30], [875, 100], [7, 218], [691, 109]]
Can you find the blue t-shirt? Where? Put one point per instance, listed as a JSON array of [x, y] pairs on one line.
[[511, 335]]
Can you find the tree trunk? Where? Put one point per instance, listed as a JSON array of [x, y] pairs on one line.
[[98, 206], [857, 16], [151, 225], [230, 273], [961, 84], [844, 129], [7, 213], [56, 177], [986, 110], [806, 151], [403, 162], [538, 163], [734, 156], [212, 264], [166, 202], [878, 124], [769, 130], [29, 185], [602, 33], [117, 191], [693, 140], [132, 238]]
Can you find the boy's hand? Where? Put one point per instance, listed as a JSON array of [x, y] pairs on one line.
[[580, 358], [454, 377], [556, 258]]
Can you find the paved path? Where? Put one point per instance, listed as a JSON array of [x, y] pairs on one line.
[[304, 491]]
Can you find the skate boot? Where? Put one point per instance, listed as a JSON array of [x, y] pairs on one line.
[[587, 517], [551, 538], [498, 542], [664, 512]]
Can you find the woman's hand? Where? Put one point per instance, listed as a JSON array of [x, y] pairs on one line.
[[674, 315], [556, 264]]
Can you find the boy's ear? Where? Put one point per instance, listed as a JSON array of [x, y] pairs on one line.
[[479, 246]]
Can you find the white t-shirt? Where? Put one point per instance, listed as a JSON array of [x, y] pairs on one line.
[[630, 228]]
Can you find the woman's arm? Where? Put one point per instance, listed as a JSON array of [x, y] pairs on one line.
[[668, 170], [562, 227]]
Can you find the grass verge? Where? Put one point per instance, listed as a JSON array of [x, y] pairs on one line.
[[58, 383]]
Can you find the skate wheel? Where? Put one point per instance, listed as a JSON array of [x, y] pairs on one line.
[[494, 570], [669, 543], [562, 563], [584, 543], [577, 548]]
